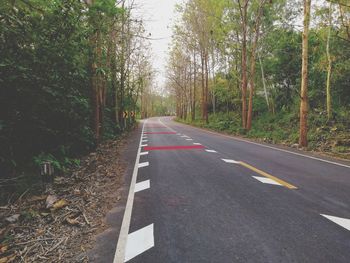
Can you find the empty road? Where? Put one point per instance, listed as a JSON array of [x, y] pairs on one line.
[[198, 196]]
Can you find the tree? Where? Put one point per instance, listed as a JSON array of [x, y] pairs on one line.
[[329, 66], [304, 77]]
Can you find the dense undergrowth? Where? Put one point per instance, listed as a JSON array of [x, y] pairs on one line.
[[332, 137]]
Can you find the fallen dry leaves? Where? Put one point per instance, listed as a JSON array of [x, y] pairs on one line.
[[59, 225]]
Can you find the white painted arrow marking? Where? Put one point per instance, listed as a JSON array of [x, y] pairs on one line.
[[142, 186], [344, 222], [138, 242], [266, 180]]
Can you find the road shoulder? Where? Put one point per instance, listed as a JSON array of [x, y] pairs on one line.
[[311, 154], [106, 242]]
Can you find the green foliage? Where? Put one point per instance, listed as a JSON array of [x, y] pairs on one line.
[[45, 82], [283, 127]]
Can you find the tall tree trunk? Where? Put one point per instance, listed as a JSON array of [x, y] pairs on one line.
[[329, 67], [212, 71], [252, 65], [206, 87], [190, 88], [264, 83], [194, 86], [122, 70], [304, 77], [244, 19], [95, 101], [203, 85]]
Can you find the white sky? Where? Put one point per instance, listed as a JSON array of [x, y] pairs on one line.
[[158, 16]]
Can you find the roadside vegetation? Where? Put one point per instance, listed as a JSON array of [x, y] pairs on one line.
[[74, 78], [273, 70], [72, 75]]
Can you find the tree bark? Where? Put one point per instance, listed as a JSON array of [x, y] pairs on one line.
[[203, 85], [252, 66], [206, 88], [304, 77], [194, 86], [243, 11], [329, 67], [264, 83]]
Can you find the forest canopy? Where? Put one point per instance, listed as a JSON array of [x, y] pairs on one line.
[[275, 70], [72, 73]]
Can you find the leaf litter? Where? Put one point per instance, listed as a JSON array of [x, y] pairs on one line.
[[59, 224]]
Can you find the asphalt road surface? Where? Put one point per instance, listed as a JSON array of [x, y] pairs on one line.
[[198, 196]]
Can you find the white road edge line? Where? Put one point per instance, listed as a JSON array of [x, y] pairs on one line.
[[230, 161], [142, 186], [124, 230], [139, 241], [344, 222], [270, 147], [265, 180]]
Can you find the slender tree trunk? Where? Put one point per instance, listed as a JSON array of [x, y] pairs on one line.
[[122, 70], [244, 64], [206, 87], [304, 77], [194, 86], [203, 86], [190, 89], [264, 83], [252, 66], [329, 67], [212, 71], [94, 43]]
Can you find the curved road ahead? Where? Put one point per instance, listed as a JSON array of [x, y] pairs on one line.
[[197, 196]]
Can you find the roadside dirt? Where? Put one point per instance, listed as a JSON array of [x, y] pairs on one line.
[[60, 224]]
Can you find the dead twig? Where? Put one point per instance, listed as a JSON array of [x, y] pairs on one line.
[[36, 240], [56, 245]]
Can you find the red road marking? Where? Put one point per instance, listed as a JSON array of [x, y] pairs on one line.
[[172, 147], [159, 132]]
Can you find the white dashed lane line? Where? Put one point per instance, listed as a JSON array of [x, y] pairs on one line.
[[196, 143], [142, 186], [143, 164], [124, 237], [144, 153], [139, 241], [210, 151], [230, 161]]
